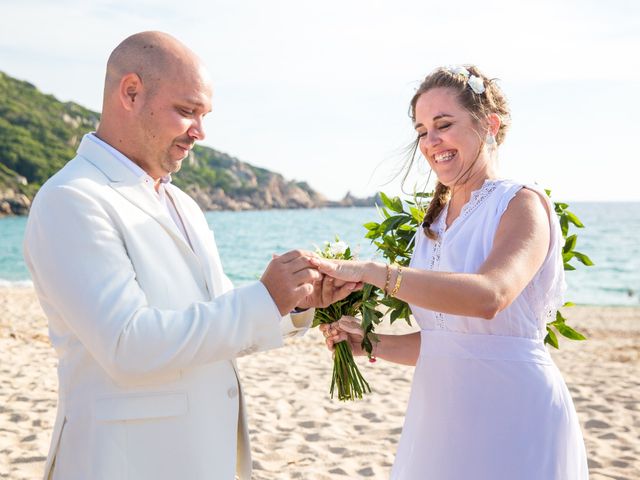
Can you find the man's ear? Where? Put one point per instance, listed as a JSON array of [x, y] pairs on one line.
[[493, 121], [130, 91]]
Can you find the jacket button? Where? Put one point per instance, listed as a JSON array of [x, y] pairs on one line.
[[232, 392]]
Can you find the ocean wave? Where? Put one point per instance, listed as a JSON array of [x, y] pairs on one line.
[[15, 283]]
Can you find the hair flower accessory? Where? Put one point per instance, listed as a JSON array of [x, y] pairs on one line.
[[457, 70], [476, 84]]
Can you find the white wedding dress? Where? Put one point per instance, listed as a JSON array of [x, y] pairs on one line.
[[487, 401]]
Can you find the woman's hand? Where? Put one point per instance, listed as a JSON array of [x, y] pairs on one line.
[[347, 328], [328, 290], [345, 270]]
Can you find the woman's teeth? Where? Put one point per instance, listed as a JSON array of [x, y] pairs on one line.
[[444, 156]]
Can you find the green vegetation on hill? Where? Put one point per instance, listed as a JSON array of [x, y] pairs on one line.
[[39, 134]]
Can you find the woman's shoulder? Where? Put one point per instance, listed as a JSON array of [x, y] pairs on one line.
[[505, 185], [509, 185], [506, 190], [521, 200]]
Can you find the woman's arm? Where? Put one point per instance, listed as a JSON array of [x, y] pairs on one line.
[[402, 349], [520, 246]]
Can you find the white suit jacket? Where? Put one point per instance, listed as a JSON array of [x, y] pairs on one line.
[[145, 327]]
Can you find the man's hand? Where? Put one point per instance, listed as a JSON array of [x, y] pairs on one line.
[[326, 291], [290, 278]]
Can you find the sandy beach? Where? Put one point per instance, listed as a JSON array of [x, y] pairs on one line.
[[298, 432]]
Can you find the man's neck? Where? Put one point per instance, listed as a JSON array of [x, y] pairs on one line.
[[114, 141]]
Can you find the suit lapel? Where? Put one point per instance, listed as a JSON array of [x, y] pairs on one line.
[[199, 240], [125, 182], [142, 198]]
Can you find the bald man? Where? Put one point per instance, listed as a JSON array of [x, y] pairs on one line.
[[144, 322]]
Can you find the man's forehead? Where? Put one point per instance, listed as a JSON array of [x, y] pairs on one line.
[[197, 95], [188, 82]]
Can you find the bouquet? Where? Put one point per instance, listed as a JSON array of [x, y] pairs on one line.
[[346, 377]]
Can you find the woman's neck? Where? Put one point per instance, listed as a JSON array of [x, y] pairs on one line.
[[461, 193]]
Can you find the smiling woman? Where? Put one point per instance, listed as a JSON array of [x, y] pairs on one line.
[[458, 130], [484, 279]]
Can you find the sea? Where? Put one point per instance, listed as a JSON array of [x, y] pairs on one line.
[[247, 240]]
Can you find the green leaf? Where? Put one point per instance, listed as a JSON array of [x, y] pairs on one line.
[[568, 267], [424, 195], [386, 201], [583, 259], [570, 243], [391, 223], [575, 220], [551, 338], [371, 225], [394, 204], [569, 332], [417, 214], [564, 225], [397, 205]]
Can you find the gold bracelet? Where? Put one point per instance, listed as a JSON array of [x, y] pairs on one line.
[[386, 283], [398, 282]]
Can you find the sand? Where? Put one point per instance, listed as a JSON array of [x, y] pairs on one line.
[[298, 432]]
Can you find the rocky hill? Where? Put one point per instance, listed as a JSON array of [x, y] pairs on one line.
[[39, 134]]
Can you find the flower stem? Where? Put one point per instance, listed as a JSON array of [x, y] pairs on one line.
[[346, 377]]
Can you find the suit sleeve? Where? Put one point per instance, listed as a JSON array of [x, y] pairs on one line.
[[85, 278], [292, 325]]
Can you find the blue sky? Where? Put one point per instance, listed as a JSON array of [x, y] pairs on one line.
[[318, 91]]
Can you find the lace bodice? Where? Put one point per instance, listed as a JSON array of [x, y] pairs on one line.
[[466, 244]]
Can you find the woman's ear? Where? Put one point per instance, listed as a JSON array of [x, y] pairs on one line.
[[493, 121]]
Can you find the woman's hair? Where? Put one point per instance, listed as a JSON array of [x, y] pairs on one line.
[[479, 106]]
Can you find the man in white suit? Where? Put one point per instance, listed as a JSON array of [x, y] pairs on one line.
[[145, 323]]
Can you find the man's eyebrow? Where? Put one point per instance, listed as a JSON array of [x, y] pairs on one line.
[[195, 103]]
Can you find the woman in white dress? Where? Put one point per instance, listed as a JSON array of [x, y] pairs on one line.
[[487, 401]]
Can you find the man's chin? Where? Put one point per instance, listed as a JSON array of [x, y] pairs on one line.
[[173, 166]]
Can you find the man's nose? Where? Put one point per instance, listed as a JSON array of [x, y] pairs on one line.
[[196, 130]]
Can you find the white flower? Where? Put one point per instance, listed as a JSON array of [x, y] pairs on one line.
[[476, 84], [458, 70], [338, 248]]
